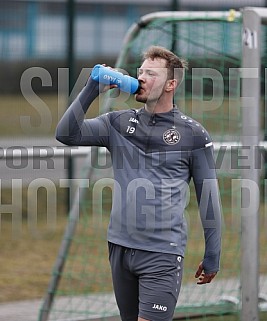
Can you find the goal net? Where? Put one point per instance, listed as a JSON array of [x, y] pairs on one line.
[[81, 286]]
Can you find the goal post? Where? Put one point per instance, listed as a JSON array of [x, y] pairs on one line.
[[80, 287], [253, 18]]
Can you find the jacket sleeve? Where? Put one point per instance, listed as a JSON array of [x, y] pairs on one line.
[[74, 129], [207, 192]]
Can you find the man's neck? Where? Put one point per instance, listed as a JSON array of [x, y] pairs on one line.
[[157, 109]]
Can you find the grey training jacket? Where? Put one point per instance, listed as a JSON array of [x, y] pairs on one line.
[[154, 157]]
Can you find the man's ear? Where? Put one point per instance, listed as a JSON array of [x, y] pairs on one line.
[[171, 84]]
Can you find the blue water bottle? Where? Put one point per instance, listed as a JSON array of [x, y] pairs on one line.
[[109, 76]]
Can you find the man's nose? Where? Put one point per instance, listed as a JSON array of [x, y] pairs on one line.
[[141, 78]]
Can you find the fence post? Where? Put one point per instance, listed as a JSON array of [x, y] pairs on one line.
[[71, 66]]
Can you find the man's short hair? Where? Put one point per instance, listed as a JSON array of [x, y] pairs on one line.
[[176, 66]]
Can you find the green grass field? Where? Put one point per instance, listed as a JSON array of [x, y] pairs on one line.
[[36, 116]]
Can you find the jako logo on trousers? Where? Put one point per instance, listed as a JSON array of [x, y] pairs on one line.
[[159, 307]]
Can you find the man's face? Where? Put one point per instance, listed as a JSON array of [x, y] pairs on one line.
[[152, 76]]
